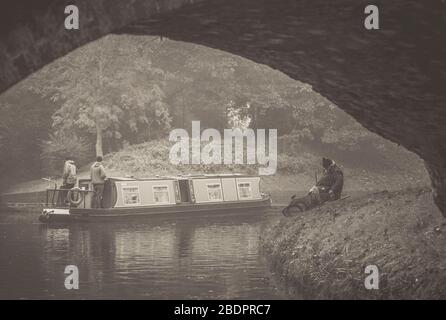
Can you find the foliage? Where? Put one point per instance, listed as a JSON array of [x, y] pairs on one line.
[[131, 90], [60, 146], [105, 88], [135, 87], [25, 121], [294, 165]]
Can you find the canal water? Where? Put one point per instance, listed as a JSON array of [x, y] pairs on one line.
[[205, 257]]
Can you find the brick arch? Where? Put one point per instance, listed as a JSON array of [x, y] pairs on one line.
[[392, 80]]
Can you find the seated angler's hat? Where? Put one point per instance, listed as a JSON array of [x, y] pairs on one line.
[[326, 162]]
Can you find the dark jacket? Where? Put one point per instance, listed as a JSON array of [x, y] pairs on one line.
[[97, 173], [332, 179]]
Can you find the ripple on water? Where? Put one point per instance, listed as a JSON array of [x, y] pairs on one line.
[[197, 258]]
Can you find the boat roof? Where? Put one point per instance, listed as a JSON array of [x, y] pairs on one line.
[[186, 176]]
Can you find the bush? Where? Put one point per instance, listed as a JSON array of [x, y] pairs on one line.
[[304, 163]]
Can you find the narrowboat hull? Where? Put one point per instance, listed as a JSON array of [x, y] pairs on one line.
[[62, 215]]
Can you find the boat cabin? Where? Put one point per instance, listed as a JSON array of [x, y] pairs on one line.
[[160, 191]]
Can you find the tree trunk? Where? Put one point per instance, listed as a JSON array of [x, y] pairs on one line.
[[99, 149], [99, 152]]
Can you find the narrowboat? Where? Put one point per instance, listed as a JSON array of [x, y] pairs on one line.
[[183, 195]]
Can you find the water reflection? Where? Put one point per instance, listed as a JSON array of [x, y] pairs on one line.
[[188, 258]]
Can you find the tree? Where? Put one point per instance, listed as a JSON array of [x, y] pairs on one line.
[[105, 88]]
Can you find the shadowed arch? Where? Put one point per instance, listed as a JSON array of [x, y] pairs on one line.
[[392, 80]]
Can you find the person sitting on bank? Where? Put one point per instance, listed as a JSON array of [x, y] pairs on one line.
[[328, 187], [98, 177], [332, 181], [69, 179]]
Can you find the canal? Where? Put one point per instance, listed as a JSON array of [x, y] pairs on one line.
[[205, 257]]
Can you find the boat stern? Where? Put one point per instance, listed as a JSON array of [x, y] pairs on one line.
[[54, 214]]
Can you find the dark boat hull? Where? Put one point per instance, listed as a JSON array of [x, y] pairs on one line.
[[92, 215]]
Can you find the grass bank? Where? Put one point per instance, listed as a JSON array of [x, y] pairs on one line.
[[323, 253]]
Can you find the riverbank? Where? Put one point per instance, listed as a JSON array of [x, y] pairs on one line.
[[323, 253]]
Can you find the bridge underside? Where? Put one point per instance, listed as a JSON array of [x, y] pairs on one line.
[[392, 80]]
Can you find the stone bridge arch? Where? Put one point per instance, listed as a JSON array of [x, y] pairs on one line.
[[391, 80]]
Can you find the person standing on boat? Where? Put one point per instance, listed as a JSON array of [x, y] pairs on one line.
[[69, 174], [98, 176], [69, 179]]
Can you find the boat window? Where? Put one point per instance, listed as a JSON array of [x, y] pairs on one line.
[[130, 195], [214, 191], [161, 194], [244, 190]]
